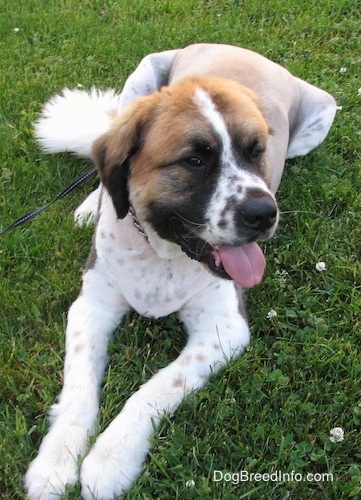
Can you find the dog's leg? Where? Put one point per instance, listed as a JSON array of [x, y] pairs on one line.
[[217, 332], [92, 319], [87, 213]]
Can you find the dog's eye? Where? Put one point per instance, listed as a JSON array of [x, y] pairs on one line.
[[194, 162], [255, 152]]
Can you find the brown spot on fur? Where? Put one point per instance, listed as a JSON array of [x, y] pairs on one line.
[[186, 360], [79, 348], [178, 381]]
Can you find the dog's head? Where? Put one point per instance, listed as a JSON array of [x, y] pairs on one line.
[[191, 161]]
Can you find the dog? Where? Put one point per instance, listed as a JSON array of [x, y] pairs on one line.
[[190, 155]]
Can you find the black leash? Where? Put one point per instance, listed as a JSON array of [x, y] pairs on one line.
[[37, 211]]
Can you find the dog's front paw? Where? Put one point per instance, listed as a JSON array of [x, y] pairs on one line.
[[48, 476], [56, 465], [111, 467]]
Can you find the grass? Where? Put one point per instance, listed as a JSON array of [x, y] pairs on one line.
[[272, 409]]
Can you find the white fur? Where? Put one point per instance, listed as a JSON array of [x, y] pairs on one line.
[[72, 120], [217, 332], [87, 212], [154, 279], [208, 109]]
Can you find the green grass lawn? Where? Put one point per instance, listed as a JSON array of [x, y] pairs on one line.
[[271, 410]]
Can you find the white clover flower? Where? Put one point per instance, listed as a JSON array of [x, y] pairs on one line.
[[320, 266], [343, 70], [190, 484], [271, 314], [80, 86], [337, 435], [16, 30], [339, 108], [359, 91]]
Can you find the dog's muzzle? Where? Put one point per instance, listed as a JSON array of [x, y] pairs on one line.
[[240, 259]]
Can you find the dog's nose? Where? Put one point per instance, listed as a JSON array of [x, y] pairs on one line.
[[258, 213]]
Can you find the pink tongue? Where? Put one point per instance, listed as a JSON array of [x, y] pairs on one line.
[[245, 264]]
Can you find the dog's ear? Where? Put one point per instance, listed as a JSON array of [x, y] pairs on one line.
[[113, 175], [114, 150], [312, 121]]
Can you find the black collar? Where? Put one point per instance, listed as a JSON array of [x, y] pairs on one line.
[[136, 222]]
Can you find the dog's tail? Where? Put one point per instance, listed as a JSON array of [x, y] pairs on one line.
[[72, 120]]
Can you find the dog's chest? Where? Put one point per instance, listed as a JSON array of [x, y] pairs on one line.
[[151, 285]]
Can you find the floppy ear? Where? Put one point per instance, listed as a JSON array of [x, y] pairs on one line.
[[114, 150], [312, 121]]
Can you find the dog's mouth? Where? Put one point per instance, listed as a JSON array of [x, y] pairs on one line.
[[245, 264]]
